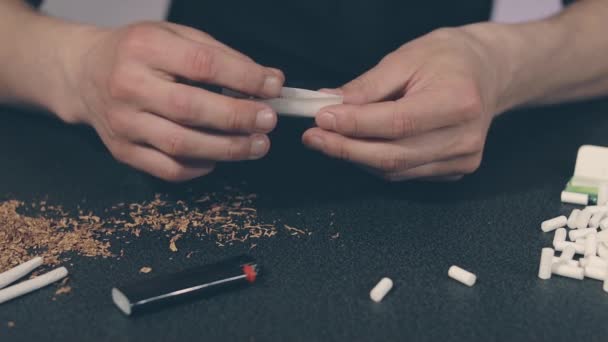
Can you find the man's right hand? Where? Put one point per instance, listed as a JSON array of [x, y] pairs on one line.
[[125, 84]]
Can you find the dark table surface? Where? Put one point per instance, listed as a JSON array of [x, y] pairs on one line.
[[316, 288]]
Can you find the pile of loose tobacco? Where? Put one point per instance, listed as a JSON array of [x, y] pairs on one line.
[[22, 237], [53, 233]]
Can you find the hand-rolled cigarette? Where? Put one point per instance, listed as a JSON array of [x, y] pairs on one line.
[[19, 272], [33, 284], [302, 102], [295, 101]]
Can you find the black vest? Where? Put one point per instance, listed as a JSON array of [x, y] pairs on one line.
[[323, 39]]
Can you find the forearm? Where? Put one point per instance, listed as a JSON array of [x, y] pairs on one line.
[[34, 50], [559, 59]]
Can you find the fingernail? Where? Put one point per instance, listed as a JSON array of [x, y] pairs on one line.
[[276, 71], [259, 146], [272, 85], [265, 120], [327, 120], [316, 142], [331, 91]]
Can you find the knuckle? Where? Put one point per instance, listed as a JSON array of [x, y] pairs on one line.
[[252, 78], [390, 163], [173, 172], [387, 164], [175, 144], [444, 34], [200, 61], [117, 85], [238, 118], [361, 84], [125, 85], [208, 170], [471, 104], [182, 107], [116, 123], [471, 165], [473, 143], [392, 177], [349, 123], [389, 58], [236, 149], [342, 151], [402, 124], [120, 152], [136, 39], [232, 119]]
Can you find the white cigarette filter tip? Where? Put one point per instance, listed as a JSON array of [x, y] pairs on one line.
[[582, 221], [554, 223], [462, 275], [568, 271], [602, 236], [602, 194], [574, 198], [604, 224], [559, 236], [579, 233], [596, 219], [546, 262], [591, 245], [579, 248], [595, 273], [381, 289], [572, 218]]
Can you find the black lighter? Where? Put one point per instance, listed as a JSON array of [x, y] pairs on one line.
[[203, 280]]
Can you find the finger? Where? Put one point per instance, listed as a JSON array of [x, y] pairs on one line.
[[186, 143], [154, 162], [162, 166], [209, 64], [150, 160], [393, 156], [414, 114], [447, 170], [203, 37], [387, 79], [195, 107]]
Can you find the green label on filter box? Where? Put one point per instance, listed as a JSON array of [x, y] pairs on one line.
[[588, 190], [590, 175]]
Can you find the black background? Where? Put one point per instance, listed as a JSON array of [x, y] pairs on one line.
[[314, 287]]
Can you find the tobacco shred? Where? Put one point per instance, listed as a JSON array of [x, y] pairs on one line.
[[63, 290], [145, 269], [56, 234]]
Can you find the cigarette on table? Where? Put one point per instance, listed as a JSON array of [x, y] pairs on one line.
[[18, 272], [33, 284]]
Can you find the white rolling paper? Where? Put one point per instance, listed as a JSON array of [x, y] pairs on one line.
[[295, 101]]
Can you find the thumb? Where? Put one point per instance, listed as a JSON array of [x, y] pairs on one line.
[[386, 80]]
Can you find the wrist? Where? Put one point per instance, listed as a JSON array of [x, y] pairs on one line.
[[73, 42], [498, 45], [44, 65], [523, 58]]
